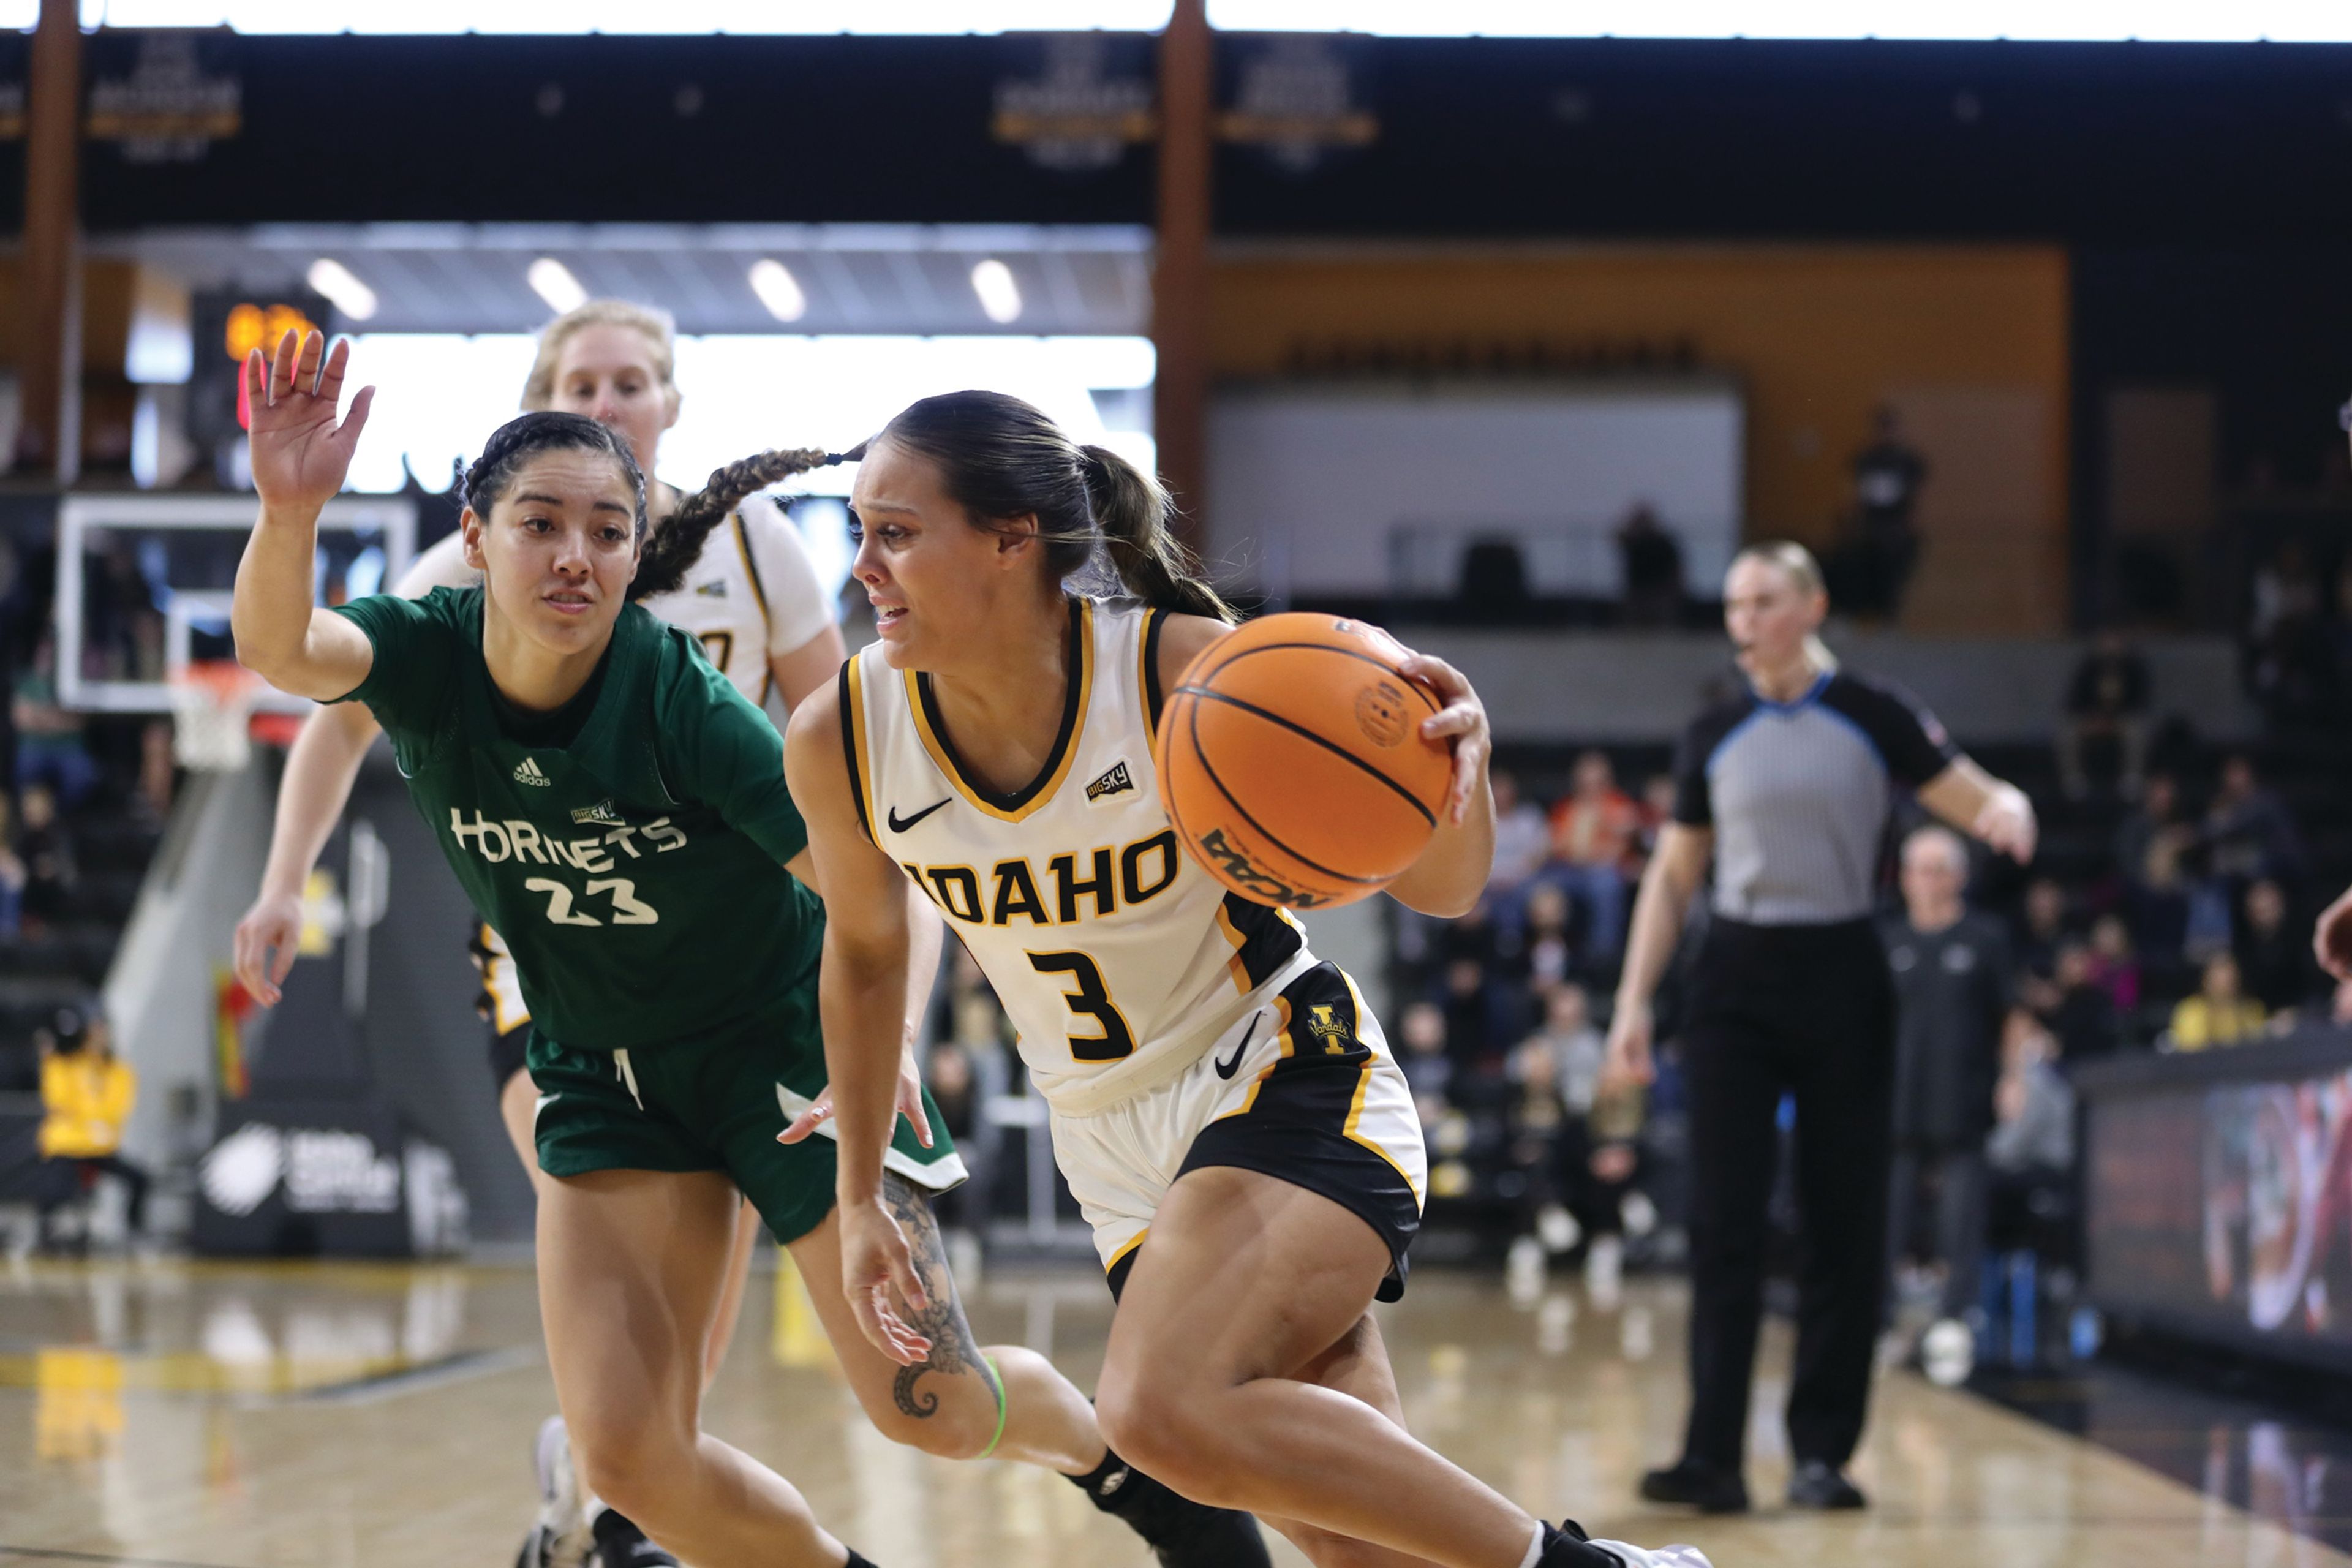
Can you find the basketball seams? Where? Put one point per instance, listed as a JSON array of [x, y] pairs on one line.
[[1209, 771], [1202, 694], [1192, 681]]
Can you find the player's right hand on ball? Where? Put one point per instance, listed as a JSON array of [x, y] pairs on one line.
[[1628, 1061], [878, 1266], [2331, 940], [300, 453], [267, 941]]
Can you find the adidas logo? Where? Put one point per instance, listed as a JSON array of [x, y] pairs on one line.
[[529, 773], [714, 589], [1111, 783], [601, 812]]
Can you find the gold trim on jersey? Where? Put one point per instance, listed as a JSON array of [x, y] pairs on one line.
[[487, 956], [1040, 790], [1128, 1251], [1363, 1086], [1233, 965], [861, 761], [758, 594]]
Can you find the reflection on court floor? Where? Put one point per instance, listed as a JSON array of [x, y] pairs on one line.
[[337, 1415]]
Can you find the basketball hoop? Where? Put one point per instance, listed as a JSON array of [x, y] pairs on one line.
[[212, 708]]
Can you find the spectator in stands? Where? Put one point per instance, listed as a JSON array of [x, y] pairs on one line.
[[1954, 992], [2046, 926], [2249, 831], [2077, 1009], [1657, 810], [12, 871], [2031, 1154], [2274, 960], [2159, 815], [1546, 955], [1589, 1138], [85, 1100], [2290, 660], [2220, 1013], [50, 749], [1428, 1068], [1652, 564], [1594, 832], [2106, 702], [1522, 837], [48, 853], [2115, 968], [1875, 564]]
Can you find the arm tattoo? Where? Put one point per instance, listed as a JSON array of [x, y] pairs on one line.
[[953, 1350]]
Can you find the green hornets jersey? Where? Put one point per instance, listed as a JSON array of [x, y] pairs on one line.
[[636, 872]]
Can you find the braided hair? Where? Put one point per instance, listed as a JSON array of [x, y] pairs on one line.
[[675, 546], [517, 440], [1000, 458]]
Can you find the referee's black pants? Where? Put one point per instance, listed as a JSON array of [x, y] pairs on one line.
[[1808, 1011]]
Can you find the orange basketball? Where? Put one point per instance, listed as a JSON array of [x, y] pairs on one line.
[[1292, 762]]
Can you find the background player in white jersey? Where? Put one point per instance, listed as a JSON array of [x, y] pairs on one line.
[[1224, 1106], [752, 599]]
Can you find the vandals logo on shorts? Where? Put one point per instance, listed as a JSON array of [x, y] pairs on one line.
[[1380, 713], [1326, 1027], [601, 812]]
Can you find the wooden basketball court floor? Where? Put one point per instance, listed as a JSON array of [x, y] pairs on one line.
[[319, 1416]]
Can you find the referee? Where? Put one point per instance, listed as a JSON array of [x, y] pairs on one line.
[[1789, 787]]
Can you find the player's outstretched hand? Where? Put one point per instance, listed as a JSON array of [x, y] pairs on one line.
[[267, 941], [300, 453], [820, 1112], [1461, 718], [876, 1264], [1628, 1061], [2331, 939]]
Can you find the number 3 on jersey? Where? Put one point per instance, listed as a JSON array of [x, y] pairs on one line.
[[628, 910], [1090, 1000]]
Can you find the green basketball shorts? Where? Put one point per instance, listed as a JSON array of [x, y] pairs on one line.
[[715, 1102]]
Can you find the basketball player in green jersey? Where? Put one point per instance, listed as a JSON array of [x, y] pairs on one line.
[[617, 810]]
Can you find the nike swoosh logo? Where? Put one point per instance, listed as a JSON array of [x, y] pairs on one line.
[[1232, 1064], [900, 824]]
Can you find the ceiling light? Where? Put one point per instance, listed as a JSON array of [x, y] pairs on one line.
[[778, 289], [1000, 296], [342, 289], [552, 281]]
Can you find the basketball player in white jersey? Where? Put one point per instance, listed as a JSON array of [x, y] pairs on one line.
[[1224, 1106], [754, 601]]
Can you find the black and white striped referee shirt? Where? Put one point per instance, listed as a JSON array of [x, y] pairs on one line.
[[1799, 795]]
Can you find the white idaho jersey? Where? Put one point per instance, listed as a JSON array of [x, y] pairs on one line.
[[751, 593], [1119, 959]]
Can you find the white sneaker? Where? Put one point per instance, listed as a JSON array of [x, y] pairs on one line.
[[1604, 1269], [1948, 1353], [1523, 1270], [560, 1539], [1654, 1556], [1558, 1230]]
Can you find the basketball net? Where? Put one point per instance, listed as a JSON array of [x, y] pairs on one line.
[[211, 710]]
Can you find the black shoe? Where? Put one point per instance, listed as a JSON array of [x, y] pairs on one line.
[[1698, 1485], [1818, 1484], [620, 1545], [1180, 1532]]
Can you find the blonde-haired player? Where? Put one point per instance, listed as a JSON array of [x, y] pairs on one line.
[[751, 598]]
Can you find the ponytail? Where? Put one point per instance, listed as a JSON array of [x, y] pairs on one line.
[[677, 542], [1133, 511], [1001, 458]]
